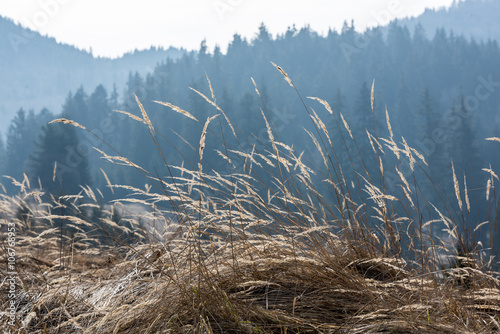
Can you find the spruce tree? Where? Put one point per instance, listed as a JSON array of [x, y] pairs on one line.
[[339, 104], [362, 120], [432, 137], [76, 107], [20, 137], [98, 107], [463, 144], [58, 162], [431, 143]]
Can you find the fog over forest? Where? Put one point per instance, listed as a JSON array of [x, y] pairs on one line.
[[395, 127]]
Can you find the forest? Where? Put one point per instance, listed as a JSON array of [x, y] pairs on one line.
[[295, 183]]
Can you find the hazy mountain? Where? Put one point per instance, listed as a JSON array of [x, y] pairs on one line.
[[471, 18], [37, 71]]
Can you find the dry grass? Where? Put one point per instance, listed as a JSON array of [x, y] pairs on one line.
[[239, 255]]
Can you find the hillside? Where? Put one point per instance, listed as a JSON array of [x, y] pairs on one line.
[[471, 18], [39, 72]]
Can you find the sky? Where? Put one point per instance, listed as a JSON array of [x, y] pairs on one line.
[[111, 28]]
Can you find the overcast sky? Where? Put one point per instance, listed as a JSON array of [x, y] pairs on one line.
[[113, 27]]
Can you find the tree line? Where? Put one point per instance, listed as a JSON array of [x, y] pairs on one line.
[[441, 94]]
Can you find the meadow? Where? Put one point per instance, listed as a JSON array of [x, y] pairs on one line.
[[279, 242]]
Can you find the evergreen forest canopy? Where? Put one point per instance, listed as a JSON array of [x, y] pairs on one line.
[[442, 95]]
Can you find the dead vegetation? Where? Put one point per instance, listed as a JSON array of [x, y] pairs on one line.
[[245, 257]]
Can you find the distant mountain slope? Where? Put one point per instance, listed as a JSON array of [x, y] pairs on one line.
[[472, 18], [37, 71]]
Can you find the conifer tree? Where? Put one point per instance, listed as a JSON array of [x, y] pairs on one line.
[[339, 104], [58, 162], [431, 143], [463, 144], [20, 143], [464, 150], [76, 107], [362, 120], [98, 107]]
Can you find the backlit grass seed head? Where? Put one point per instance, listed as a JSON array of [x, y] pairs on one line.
[[420, 156], [491, 172], [203, 136], [134, 117], [324, 103], [67, 121], [408, 151], [107, 181], [211, 88], [214, 103], [389, 127], [176, 109], [403, 179], [287, 78], [466, 194], [372, 94], [408, 197], [318, 147], [256, 88], [319, 123], [119, 160], [145, 115], [457, 187], [371, 142], [54, 172], [488, 188], [346, 126], [493, 139], [391, 145], [269, 132]]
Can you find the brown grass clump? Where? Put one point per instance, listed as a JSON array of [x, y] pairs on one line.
[[229, 253]]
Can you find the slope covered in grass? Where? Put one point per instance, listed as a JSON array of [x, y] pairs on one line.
[[281, 244]]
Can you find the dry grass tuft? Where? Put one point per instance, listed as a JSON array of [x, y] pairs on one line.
[[232, 253]]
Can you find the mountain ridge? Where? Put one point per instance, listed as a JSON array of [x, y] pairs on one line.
[[39, 72], [475, 19]]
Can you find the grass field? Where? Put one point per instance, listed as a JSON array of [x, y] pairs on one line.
[[236, 254]]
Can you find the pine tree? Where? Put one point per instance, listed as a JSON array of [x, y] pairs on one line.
[[75, 106], [339, 104], [362, 113], [98, 107], [402, 116], [58, 162], [339, 107], [203, 55], [431, 143], [20, 137], [463, 144], [113, 98], [463, 147], [362, 120]]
